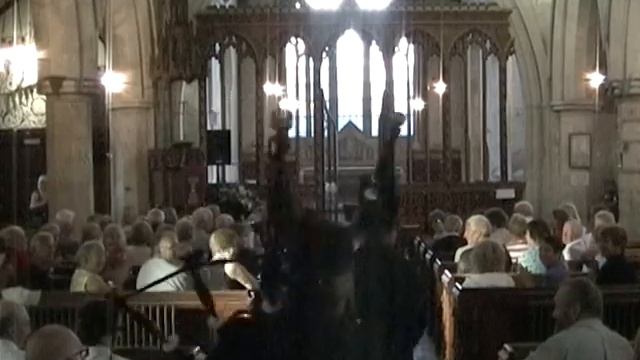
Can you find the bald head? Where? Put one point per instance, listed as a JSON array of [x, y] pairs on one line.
[[52, 342], [14, 322]]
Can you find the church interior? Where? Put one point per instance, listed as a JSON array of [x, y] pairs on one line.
[[319, 179]]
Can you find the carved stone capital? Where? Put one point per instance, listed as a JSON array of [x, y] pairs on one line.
[[61, 85], [623, 87], [578, 105]]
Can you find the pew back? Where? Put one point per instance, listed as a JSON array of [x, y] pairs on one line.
[[478, 322]]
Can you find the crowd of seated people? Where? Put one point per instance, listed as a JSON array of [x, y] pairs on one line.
[[106, 256]]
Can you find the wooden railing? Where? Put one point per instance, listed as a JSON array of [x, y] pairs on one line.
[[174, 313]]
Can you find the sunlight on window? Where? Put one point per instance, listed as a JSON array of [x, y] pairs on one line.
[[377, 85], [403, 60], [294, 56], [350, 64]]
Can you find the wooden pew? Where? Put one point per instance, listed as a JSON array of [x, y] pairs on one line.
[[477, 322], [175, 313]]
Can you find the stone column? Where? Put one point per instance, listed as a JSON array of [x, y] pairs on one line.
[[629, 163], [131, 124], [66, 36]]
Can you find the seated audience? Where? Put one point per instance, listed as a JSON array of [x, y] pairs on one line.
[[560, 217], [612, 241], [550, 252], [525, 209], [537, 231], [67, 245], [487, 267], [517, 246], [574, 245], [170, 215], [91, 231], [164, 263], [231, 275], [203, 223], [55, 342], [498, 219], [91, 259], [446, 245], [582, 335], [42, 260], [140, 243], [14, 329], [117, 267], [477, 229], [96, 329], [155, 217]]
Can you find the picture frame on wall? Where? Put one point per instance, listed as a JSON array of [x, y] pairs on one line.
[[580, 151]]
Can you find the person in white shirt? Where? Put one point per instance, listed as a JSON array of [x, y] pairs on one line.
[[488, 267], [55, 342], [96, 328], [581, 333], [164, 263], [477, 229], [14, 329], [575, 247]]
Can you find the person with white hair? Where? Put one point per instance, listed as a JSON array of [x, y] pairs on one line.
[[67, 245], [164, 263], [575, 246], [488, 267], [55, 342], [524, 208], [155, 217], [14, 329], [571, 209], [203, 222], [477, 229], [91, 258], [224, 221], [601, 219]]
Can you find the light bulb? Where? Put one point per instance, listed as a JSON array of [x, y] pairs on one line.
[[440, 87], [324, 4], [273, 89], [416, 104], [595, 79], [373, 4], [113, 82], [289, 104]]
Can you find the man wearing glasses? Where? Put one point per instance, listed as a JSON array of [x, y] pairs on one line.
[[55, 342]]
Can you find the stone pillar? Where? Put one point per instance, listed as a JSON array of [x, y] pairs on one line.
[[131, 112], [475, 116], [629, 163], [65, 32]]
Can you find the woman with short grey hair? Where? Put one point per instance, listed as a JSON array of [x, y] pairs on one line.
[[91, 259]]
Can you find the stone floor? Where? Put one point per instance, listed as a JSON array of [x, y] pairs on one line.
[[425, 350]]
